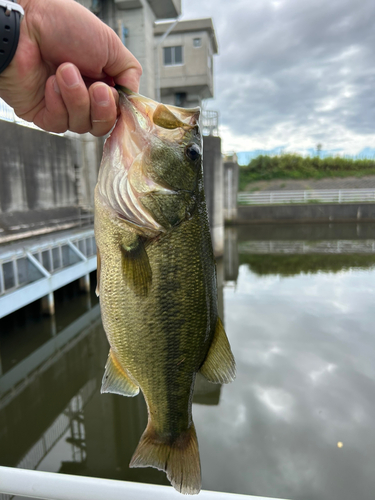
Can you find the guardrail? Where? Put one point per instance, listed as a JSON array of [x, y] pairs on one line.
[[308, 196], [52, 486]]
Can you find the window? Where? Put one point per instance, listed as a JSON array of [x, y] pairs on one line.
[[180, 99], [173, 56], [197, 42]]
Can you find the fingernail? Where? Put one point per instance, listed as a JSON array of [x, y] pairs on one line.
[[101, 95], [56, 88], [70, 76]]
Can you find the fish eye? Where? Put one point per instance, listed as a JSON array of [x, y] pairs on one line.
[[193, 152]]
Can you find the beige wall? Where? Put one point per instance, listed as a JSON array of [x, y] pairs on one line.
[[194, 75]]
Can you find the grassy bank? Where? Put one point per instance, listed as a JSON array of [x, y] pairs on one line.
[[293, 166]]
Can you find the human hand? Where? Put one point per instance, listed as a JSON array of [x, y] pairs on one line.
[[63, 47]]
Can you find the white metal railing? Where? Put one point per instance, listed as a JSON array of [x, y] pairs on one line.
[[210, 122], [19, 267], [310, 196], [52, 486], [7, 113], [35, 271]]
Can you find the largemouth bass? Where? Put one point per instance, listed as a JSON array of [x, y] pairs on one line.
[[157, 279]]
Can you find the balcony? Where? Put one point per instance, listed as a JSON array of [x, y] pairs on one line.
[[163, 9]]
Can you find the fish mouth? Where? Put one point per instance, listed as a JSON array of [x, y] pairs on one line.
[[149, 115]]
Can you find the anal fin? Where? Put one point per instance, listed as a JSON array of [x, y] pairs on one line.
[[115, 380], [136, 267], [219, 366]]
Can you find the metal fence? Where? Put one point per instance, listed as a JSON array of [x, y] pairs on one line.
[[32, 272], [210, 122], [310, 196], [28, 264], [7, 113]]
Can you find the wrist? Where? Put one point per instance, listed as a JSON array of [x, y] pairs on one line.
[[11, 15]]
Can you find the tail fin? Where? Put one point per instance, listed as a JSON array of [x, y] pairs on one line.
[[179, 459]]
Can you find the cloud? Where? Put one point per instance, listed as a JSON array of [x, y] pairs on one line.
[[293, 73]]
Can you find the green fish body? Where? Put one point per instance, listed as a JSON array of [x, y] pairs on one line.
[[157, 279]]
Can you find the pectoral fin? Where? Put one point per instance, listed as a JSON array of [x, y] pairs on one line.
[[219, 366], [98, 267], [115, 379], [136, 267]]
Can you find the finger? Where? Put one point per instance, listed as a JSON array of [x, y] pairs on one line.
[[122, 66], [103, 108], [75, 96], [53, 117]]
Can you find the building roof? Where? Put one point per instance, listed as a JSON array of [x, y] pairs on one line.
[[190, 25]]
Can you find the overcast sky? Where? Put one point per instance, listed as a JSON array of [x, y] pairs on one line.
[[293, 73]]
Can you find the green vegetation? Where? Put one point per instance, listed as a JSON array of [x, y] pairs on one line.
[[294, 166], [291, 265]]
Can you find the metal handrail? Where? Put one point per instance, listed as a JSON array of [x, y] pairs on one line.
[[52, 486], [210, 122], [307, 196], [32, 255]]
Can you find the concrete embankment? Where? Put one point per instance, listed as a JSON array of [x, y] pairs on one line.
[[314, 212]]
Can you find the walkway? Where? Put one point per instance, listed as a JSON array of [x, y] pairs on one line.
[[33, 269]]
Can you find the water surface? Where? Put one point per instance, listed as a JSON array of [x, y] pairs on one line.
[[297, 423]]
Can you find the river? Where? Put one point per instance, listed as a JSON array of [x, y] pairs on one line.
[[298, 422]]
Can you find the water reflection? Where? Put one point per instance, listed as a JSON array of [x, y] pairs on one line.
[[289, 250], [301, 328]]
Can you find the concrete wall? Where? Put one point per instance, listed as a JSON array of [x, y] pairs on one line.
[[213, 184], [44, 178], [306, 213], [230, 189], [37, 170]]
